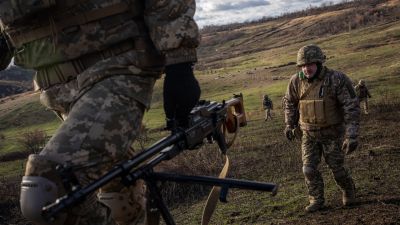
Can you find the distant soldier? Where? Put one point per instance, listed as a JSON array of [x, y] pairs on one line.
[[268, 106], [363, 94], [328, 111]]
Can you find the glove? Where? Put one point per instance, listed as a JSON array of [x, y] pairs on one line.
[[349, 145], [181, 93], [289, 132]]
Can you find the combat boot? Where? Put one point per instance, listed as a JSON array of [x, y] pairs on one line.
[[349, 195], [314, 206]]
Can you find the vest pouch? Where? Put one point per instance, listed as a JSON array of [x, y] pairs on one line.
[[312, 112], [14, 10]]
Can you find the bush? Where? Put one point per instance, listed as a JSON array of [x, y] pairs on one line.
[[33, 141]]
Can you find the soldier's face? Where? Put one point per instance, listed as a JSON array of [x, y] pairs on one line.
[[309, 70]]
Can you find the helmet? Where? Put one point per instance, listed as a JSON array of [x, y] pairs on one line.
[[310, 54], [265, 96], [361, 82]]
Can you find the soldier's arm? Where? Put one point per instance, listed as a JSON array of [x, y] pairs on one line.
[[348, 100], [173, 29], [291, 101], [5, 51]]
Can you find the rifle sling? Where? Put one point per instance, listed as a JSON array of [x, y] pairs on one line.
[[214, 195]]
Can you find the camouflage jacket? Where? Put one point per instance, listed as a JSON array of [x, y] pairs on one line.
[[46, 33], [362, 91], [267, 103], [342, 92]]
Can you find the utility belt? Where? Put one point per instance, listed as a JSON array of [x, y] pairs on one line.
[[69, 70]]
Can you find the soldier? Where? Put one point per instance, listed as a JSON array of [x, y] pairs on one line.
[[268, 106], [363, 94], [96, 63], [328, 112]]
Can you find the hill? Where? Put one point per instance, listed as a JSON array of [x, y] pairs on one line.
[[258, 58], [15, 80]]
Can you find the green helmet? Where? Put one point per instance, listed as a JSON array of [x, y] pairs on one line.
[[310, 54]]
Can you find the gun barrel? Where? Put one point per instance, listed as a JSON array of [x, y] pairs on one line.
[[79, 195], [213, 181]]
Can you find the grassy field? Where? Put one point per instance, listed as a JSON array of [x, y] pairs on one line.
[[261, 152]]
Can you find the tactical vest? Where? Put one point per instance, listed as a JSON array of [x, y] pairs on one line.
[[61, 39], [318, 105]]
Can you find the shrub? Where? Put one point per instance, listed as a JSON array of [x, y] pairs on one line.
[[33, 141]]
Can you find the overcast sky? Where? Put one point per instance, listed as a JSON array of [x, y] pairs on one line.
[[216, 12]]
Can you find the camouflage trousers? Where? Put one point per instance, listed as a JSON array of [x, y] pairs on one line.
[[268, 114], [96, 133], [364, 104], [315, 145]]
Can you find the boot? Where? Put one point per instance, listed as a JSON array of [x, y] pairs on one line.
[[349, 196], [314, 206]]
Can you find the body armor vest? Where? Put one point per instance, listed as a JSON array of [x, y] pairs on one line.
[[61, 39], [318, 105]]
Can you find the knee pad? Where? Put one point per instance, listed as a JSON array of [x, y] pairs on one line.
[[122, 208], [40, 186], [309, 172]]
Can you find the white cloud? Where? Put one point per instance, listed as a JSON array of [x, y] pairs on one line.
[[230, 11]]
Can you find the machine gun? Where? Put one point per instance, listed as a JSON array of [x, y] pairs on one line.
[[207, 121]]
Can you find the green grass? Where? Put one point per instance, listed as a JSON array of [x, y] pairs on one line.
[[14, 168]]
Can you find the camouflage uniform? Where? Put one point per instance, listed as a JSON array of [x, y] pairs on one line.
[[363, 94], [326, 108], [96, 63], [268, 106]]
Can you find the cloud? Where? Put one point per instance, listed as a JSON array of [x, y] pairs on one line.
[[240, 5], [217, 12]]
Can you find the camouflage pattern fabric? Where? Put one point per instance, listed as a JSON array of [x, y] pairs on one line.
[[343, 91], [169, 25], [96, 135], [310, 54], [363, 95], [103, 97], [324, 143], [268, 114]]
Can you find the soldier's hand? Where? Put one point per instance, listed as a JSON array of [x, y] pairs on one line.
[[181, 93], [289, 132], [349, 145]]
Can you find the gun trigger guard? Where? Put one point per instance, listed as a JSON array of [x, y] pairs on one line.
[[223, 194]]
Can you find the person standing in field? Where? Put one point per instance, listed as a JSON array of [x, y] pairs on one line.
[[363, 95], [324, 104]]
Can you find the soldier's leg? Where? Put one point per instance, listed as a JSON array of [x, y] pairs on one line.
[[269, 114], [366, 105], [266, 115], [311, 156], [97, 134], [334, 157]]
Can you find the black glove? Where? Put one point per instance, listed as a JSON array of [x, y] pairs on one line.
[[349, 145], [289, 132], [181, 94]]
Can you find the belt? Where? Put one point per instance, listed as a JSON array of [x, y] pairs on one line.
[[66, 71]]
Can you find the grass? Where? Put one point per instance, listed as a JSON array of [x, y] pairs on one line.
[[261, 152]]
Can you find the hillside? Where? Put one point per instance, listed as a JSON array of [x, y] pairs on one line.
[[254, 59], [15, 80]]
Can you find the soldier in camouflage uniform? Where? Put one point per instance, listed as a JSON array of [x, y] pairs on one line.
[[363, 94], [268, 106], [97, 62], [324, 104]]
